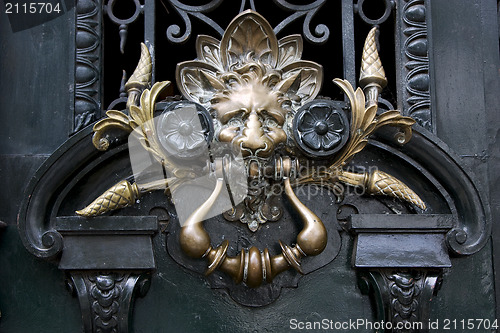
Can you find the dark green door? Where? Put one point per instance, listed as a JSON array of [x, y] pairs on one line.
[[343, 223]]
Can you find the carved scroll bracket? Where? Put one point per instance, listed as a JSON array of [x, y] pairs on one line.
[[106, 298], [109, 261], [403, 283], [402, 296]]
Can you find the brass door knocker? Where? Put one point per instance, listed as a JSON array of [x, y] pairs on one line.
[[254, 93], [253, 267]]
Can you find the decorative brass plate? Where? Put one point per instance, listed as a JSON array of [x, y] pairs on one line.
[[261, 97]]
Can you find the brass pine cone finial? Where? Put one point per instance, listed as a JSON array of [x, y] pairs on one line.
[[372, 71], [381, 183], [141, 78], [120, 195]]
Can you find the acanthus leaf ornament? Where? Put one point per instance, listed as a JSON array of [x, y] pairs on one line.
[[365, 121], [255, 88]]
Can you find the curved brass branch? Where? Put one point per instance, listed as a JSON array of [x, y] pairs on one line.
[[312, 239], [381, 183], [194, 240], [137, 83]]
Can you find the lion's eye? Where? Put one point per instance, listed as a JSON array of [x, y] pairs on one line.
[[265, 114], [235, 122], [270, 122]]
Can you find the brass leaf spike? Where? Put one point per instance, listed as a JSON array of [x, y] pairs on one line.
[[380, 183], [364, 115], [139, 82], [365, 121]]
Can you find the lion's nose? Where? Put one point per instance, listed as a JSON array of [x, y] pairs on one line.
[[253, 144], [253, 137]]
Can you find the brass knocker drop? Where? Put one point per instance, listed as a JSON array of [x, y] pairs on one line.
[[253, 266]]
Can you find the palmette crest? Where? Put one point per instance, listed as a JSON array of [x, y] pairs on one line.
[[248, 40], [250, 80]]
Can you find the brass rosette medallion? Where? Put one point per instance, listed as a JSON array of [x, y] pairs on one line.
[[253, 93]]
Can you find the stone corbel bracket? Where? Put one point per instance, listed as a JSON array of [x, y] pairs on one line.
[[400, 260], [109, 260]]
